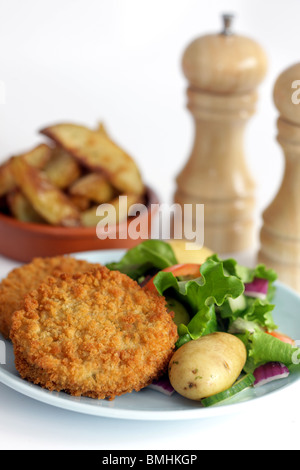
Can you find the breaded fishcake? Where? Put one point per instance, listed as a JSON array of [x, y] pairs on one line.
[[27, 278], [97, 334]]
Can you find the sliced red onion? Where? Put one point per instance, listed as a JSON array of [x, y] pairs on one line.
[[269, 372], [258, 288], [162, 385]]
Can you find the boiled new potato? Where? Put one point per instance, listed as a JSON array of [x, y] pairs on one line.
[[206, 366], [183, 255]]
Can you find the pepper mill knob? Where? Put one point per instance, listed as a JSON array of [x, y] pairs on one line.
[[280, 233], [227, 21], [223, 71]]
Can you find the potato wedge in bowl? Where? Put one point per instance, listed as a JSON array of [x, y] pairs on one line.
[[21, 208], [37, 158], [95, 187], [98, 152], [44, 197], [63, 181]]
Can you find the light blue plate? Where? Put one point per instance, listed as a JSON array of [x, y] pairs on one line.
[[149, 404]]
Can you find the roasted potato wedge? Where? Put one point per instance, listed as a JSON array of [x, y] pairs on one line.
[[36, 157], [39, 156], [7, 182], [98, 153], [90, 218], [48, 201], [82, 203], [102, 129], [21, 208], [95, 187], [62, 169]]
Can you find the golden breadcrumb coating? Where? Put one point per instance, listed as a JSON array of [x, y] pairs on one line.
[[97, 334], [27, 278]]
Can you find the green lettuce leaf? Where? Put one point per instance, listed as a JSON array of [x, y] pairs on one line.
[[261, 312], [257, 310], [247, 275], [200, 295], [263, 348], [144, 257]]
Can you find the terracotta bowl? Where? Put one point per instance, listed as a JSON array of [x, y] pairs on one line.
[[22, 242]]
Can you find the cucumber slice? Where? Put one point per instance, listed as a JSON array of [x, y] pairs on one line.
[[234, 307], [238, 305], [237, 387]]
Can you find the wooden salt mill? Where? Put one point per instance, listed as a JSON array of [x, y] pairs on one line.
[[223, 71], [280, 234]]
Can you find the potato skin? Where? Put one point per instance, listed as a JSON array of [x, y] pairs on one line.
[[208, 365]]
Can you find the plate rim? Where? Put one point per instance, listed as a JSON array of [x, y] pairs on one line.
[[55, 399]]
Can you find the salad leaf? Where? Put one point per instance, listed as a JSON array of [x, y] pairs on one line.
[[144, 257], [203, 323], [201, 295], [247, 275], [260, 311], [254, 309], [244, 273], [263, 348]]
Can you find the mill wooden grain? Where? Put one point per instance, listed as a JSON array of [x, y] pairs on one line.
[[280, 234], [223, 72]]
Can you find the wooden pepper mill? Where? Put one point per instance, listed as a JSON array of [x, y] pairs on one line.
[[223, 71], [280, 234]]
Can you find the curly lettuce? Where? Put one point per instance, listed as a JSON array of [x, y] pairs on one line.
[[263, 348], [254, 309], [201, 295], [149, 255]]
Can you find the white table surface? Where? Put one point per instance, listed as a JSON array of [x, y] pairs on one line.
[[29, 424]]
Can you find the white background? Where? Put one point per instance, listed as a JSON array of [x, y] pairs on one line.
[[119, 61]]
